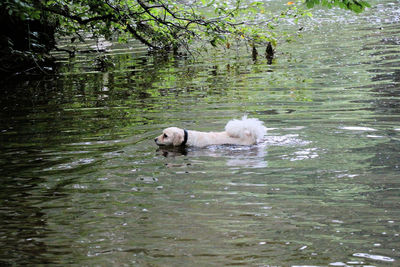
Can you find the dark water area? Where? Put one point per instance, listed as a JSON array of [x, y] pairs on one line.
[[82, 182]]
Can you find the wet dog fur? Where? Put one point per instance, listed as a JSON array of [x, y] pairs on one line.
[[246, 131]]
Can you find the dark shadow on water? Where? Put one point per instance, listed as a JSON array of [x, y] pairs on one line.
[[24, 227], [172, 151]]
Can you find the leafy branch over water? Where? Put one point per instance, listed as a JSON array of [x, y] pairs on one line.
[[169, 25], [356, 6], [159, 24]]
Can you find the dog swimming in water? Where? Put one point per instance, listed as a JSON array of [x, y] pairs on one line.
[[246, 131]]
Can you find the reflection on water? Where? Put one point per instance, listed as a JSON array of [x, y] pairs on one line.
[[84, 184], [239, 156]]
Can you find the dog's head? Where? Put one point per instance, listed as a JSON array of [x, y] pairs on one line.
[[172, 136]]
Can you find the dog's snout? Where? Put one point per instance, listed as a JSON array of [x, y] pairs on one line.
[[155, 140]]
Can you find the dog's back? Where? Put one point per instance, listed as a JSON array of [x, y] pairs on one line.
[[246, 128]]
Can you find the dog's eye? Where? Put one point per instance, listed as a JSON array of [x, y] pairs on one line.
[[165, 136]]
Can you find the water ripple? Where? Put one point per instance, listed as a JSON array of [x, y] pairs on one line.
[[374, 257]]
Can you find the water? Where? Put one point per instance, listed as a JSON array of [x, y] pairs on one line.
[[84, 184]]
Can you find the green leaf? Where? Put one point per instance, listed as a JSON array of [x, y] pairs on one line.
[[356, 6]]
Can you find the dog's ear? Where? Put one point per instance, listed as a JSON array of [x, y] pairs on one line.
[[178, 138]]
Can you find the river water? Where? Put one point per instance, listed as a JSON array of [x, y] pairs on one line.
[[82, 182]]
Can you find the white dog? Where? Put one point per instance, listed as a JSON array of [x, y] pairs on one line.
[[247, 131]]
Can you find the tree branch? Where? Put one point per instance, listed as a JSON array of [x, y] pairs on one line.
[[65, 13]]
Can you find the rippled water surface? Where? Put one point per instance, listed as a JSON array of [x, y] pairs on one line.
[[82, 182]]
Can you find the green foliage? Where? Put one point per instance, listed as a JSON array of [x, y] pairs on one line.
[[26, 38], [158, 24], [356, 6], [20, 9]]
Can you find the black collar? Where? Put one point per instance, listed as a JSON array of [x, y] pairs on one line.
[[185, 137]]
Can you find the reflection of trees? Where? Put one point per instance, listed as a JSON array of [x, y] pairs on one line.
[[387, 109], [84, 102], [386, 105], [23, 226], [47, 122], [388, 100]]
